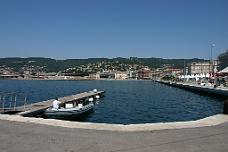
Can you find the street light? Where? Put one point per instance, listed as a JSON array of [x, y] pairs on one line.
[[212, 45], [211, 66]]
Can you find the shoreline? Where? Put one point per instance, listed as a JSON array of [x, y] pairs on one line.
[[35, 79]]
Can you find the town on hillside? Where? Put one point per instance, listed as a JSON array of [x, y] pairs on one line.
[[119, 69]]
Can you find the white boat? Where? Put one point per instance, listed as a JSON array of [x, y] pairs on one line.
[[69, 111]]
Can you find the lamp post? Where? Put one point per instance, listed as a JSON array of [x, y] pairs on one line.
[[211, 59], [211, 69]]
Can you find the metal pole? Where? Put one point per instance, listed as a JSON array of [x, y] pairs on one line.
[[11, 99], [15, 100], [184, 67], [211, 53], [3, 103], [211, 71], [211, 60], [25, 102], [184, 70]]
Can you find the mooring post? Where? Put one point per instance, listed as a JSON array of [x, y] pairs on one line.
[[225, 111]]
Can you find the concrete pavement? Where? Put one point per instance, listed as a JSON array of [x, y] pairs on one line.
[[208, 121], [27, 137]]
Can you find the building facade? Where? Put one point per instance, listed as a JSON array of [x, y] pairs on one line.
[[202, 67], [144, 73], [121, 75]]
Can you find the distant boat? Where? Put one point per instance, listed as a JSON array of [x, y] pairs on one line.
[[69, 112]]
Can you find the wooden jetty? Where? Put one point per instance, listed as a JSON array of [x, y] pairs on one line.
[[39, 107]]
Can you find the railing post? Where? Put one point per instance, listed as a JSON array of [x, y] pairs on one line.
[[25, 102], [11, 99], [0, 98], [3, 103], [15, 102]]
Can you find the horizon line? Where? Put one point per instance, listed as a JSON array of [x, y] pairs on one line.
[[100, 58]]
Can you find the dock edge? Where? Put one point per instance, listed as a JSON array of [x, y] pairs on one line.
[[205, 122]]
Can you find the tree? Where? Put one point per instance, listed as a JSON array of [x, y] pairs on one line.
[[223, 60]]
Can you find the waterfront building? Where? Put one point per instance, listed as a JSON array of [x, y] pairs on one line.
[[157, 73], [94, 76], [202, 67], [132, 74], [172, 71], [121, 75], [144, 73], [46, 74], [107, 75]]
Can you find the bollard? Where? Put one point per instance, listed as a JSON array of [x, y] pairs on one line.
[[225, 111]]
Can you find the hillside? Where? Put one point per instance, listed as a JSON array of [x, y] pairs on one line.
[[52, 65]]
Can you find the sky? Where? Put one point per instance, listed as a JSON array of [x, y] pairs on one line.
[[64, 29]]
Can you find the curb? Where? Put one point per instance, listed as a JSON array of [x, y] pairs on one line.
[[205, 122]]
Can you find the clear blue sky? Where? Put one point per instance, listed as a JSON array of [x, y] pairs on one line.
[[113, 28]]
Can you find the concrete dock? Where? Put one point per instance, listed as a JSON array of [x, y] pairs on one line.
[[27, 137], [218, 91]]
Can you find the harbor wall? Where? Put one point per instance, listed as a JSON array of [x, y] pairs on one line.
[[217, 92]]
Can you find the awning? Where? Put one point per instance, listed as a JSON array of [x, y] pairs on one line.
[[224, 70]]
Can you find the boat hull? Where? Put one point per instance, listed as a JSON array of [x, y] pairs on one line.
[[69, 113]]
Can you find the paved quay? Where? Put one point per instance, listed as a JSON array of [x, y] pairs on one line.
[[218, 91], [26, 137]]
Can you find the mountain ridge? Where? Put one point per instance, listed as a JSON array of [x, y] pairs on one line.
[[55, 65]]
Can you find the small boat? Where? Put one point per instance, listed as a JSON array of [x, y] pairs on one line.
[[69, 111]]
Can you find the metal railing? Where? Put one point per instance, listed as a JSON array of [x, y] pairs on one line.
[[10, 100]]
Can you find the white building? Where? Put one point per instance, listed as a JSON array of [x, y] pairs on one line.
[[121, 75], [94, 76], [202, 67]]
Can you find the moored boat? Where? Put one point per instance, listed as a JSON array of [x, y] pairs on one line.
[[69, 111]]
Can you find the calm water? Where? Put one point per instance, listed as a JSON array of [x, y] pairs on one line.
[[125, 101]]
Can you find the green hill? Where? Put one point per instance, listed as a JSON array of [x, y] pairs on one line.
[[53, 65]]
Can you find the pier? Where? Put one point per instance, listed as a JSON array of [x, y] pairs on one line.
[[39, 107], [210, 90]]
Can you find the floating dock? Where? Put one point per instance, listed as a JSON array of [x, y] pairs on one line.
[[210, 90], [39, 107]]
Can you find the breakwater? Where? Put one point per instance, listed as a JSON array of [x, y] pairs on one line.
[[210, 90]]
